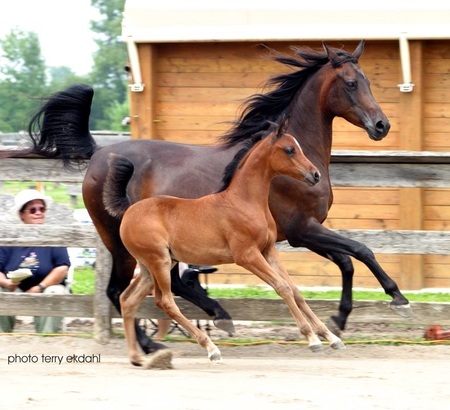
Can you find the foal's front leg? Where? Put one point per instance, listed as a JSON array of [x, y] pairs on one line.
[[274, 260], [253, 260]]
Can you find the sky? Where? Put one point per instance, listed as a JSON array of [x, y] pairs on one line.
[[66, 39], [62, 26]]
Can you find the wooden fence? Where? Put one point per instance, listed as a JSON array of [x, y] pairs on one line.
[[348, 168]]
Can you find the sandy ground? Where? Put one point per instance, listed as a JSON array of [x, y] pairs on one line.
[[42, 372]]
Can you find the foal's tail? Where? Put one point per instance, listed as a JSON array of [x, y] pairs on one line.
[[115, 197], [60, 128]]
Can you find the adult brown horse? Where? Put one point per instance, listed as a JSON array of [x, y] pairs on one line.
[[160, 231], [322, 86]]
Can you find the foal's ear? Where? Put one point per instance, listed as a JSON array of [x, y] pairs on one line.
[[359, 49], [282, 127]]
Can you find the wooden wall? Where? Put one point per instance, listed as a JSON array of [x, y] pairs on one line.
[[192, 89]]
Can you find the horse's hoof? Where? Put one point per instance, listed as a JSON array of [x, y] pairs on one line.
[[337, 345], [316, 347], [402, 310], [162, 359], [333, 326], [154, 347], [226, 325], [137, 363]]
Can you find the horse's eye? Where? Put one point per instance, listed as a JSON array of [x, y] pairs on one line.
[[289, 151], [352, 84]]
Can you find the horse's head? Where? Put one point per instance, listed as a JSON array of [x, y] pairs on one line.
[[348, 92], [288, 158]]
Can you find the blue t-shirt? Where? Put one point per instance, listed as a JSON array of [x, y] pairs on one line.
[[41, 261]]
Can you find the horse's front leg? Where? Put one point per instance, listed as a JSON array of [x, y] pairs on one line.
[[337, 322], [323, 241]]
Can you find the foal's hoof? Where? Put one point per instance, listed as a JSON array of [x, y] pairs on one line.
[[162, 359], [316, 347], [337, 345], [402, 310], [226, 325], [215, 356]]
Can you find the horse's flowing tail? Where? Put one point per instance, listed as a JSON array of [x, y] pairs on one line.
[[115, 197], [60, 128]]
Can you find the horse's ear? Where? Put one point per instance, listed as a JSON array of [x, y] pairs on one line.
[[359, 49], [332, 55]]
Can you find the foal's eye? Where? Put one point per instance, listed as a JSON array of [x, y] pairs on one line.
[[352, 84], [289, 151]]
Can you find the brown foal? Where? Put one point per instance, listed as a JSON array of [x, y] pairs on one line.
[[231, 225]]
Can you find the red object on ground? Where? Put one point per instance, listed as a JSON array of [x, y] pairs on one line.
[[435, 332]]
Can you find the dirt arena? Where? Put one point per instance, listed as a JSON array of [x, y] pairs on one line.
[[42, 372]]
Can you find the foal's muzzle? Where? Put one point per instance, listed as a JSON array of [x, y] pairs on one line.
[[313, 178]]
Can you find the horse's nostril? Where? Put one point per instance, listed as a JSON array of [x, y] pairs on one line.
[[316, 176], [383, 126]]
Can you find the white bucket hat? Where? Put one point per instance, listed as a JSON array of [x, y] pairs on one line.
[[23, 197]]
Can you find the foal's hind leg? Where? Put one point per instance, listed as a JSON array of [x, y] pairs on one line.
[[130, 300], [165, 301], [275, 261]]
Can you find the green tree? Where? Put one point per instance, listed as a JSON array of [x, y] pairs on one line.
[[109, 79], [22, 78]]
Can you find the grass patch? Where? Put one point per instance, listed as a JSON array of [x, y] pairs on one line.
[[84, 281], [57, 191], [85, 284]]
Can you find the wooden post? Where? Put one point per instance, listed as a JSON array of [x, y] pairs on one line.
[[102, 305], [411, 199], [142, 104]]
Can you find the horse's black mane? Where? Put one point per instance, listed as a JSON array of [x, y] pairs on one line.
[[260, 108], [231, 168]]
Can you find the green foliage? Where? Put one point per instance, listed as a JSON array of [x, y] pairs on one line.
[[25, 79], [22, 79], [108, 77]]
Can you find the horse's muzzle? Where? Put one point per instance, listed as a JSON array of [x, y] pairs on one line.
[[379, 131]]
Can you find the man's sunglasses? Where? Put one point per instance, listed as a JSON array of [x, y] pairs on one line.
[[34, 209]]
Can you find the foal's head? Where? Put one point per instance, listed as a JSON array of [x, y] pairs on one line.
[[287, 157]]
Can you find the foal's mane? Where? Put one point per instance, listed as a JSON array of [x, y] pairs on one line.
[[238, 158], [260, 108]]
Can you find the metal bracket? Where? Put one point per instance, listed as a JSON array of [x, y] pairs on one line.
[[138, 85], [407, 86]]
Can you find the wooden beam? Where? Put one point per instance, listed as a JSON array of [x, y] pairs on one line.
[[247, 309], [411, 199]]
